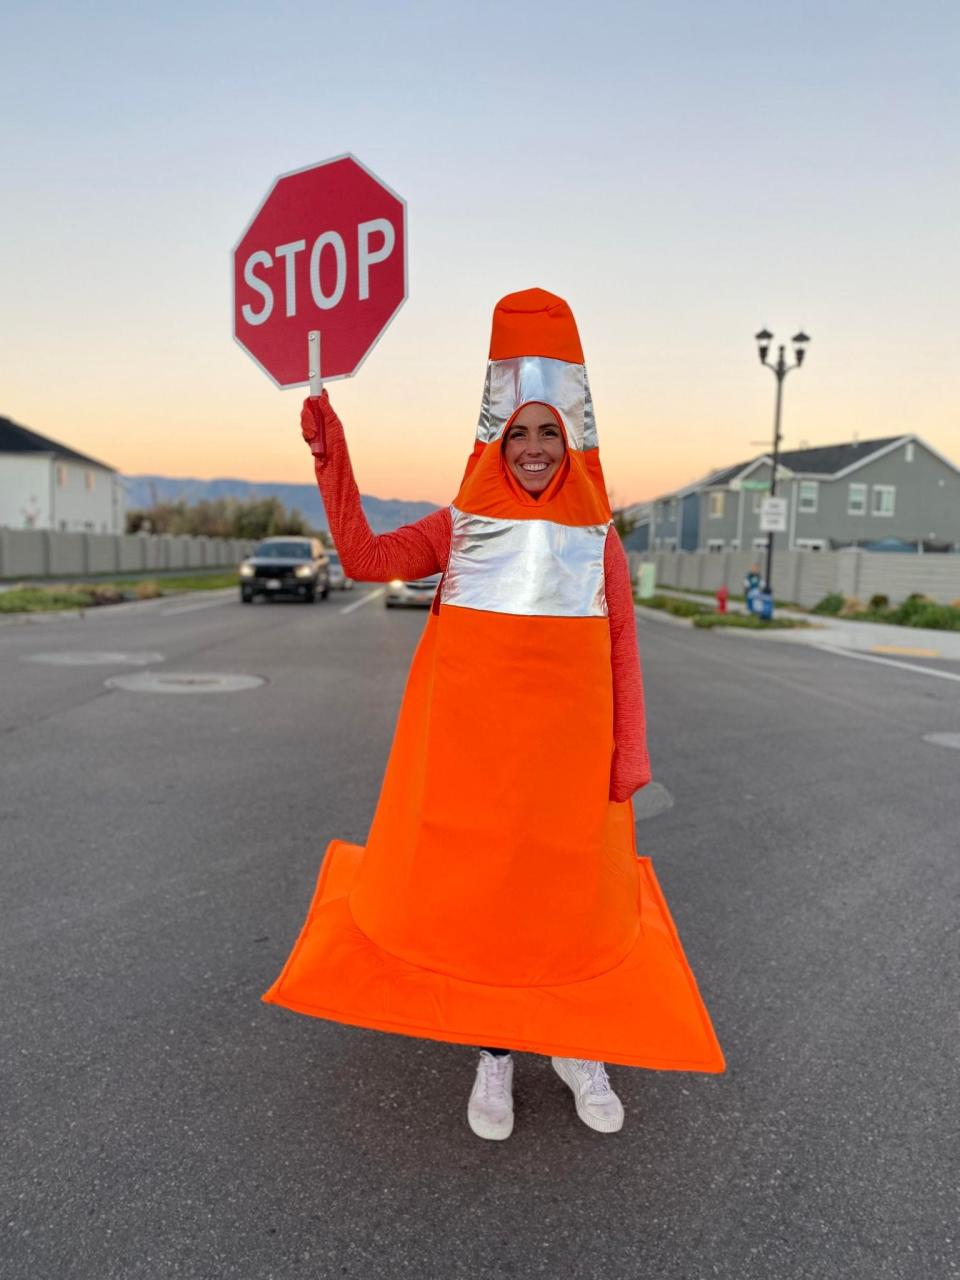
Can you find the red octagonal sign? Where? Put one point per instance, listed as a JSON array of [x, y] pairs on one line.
[[326, 250]]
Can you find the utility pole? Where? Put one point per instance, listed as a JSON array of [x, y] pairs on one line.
[[780, 371]]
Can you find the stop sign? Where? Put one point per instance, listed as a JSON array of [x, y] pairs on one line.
[[326, 250]]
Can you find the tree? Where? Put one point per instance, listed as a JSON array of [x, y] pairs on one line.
[[252, 518]]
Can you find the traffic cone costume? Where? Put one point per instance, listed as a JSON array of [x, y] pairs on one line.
[[499, 899]]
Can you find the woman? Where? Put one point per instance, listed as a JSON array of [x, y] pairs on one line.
[[499, 899]]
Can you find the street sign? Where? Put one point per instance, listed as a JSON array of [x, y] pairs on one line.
[[773, 515], [325, 251], [755, 484]]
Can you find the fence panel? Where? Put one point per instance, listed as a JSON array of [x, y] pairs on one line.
[[805, 577]]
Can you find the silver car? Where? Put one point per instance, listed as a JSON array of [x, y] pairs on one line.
[[338, 579], [418, 592]]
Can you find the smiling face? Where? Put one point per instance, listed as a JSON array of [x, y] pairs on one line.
[[534, 447]]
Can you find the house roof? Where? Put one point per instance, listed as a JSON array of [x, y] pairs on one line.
[[17, 439], [829, 459], [725, 474]]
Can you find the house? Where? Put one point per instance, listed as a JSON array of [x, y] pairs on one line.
[[896, 493], [47, 485]]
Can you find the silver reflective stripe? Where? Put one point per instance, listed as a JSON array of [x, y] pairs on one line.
[[532, 567], [511, 383]]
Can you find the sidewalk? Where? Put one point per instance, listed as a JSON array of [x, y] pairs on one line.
[[843, 633]]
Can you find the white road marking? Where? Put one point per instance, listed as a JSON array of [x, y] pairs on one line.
[[198, 604], [358, 604], [943, 739], [92, 658], [890, 662]]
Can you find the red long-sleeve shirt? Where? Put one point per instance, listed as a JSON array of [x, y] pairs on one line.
[[421, 549]]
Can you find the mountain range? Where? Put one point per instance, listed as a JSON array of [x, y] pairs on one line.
[[383, 514]]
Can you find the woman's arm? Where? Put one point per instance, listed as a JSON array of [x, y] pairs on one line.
[[631, 763], [415, 551]]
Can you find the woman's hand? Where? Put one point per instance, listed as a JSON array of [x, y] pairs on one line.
[[315, 416]]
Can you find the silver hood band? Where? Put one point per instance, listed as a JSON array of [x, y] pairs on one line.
[[511, 383], [529, 567]]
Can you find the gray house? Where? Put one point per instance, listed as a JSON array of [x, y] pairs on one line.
[[893, 494]]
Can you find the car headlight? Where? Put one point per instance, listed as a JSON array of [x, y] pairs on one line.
[[303, 571], [396, 584], [247, 571]]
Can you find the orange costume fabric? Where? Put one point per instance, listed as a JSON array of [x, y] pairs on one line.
[[499, 898]]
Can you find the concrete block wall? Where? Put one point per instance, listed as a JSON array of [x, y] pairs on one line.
[[805, 577], [102, 553], [65, 553], [49, 553]]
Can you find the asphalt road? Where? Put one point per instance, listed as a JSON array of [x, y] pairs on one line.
[[157, 853]]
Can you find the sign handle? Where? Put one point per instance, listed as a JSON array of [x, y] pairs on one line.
[[313, 363]]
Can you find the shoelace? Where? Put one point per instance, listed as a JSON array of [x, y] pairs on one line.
[[599, 1080], [493, 1075]]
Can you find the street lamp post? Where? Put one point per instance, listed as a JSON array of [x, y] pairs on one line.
[[780, 371]]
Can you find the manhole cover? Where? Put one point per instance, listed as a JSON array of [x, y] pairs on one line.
[[943, 739], [95, 658], [183, 682], [653, 800]]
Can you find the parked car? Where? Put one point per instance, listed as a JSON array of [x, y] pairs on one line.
[[338, 579], [286, 565], [418, 591]]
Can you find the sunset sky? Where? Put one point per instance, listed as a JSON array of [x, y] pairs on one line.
[[683, 173]]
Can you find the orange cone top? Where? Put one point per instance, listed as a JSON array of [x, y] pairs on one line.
[[534, 322]]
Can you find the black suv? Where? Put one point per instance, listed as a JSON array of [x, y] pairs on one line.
[[286, 565]]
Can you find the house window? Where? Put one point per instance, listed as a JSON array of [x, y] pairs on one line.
[[61, 476], [884, 499], [908, 452], [758, 497], [810, 544], [857, 500], [716, 505], [809, 491], [760, 544], [672, 509], [88, 481], [715, 544]]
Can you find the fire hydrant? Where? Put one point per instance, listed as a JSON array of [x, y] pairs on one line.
[[723, 595]]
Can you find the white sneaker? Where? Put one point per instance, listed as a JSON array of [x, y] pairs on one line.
[[597, 1105], [490, 1109]]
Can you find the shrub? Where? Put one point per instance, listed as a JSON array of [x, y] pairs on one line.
[[831, 603], [878, 601], [686, 608], [914, 604], [104, 593], [748, 621], [941, 617], [679, 608], [27, 598], [147, 590], [852, 608]]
